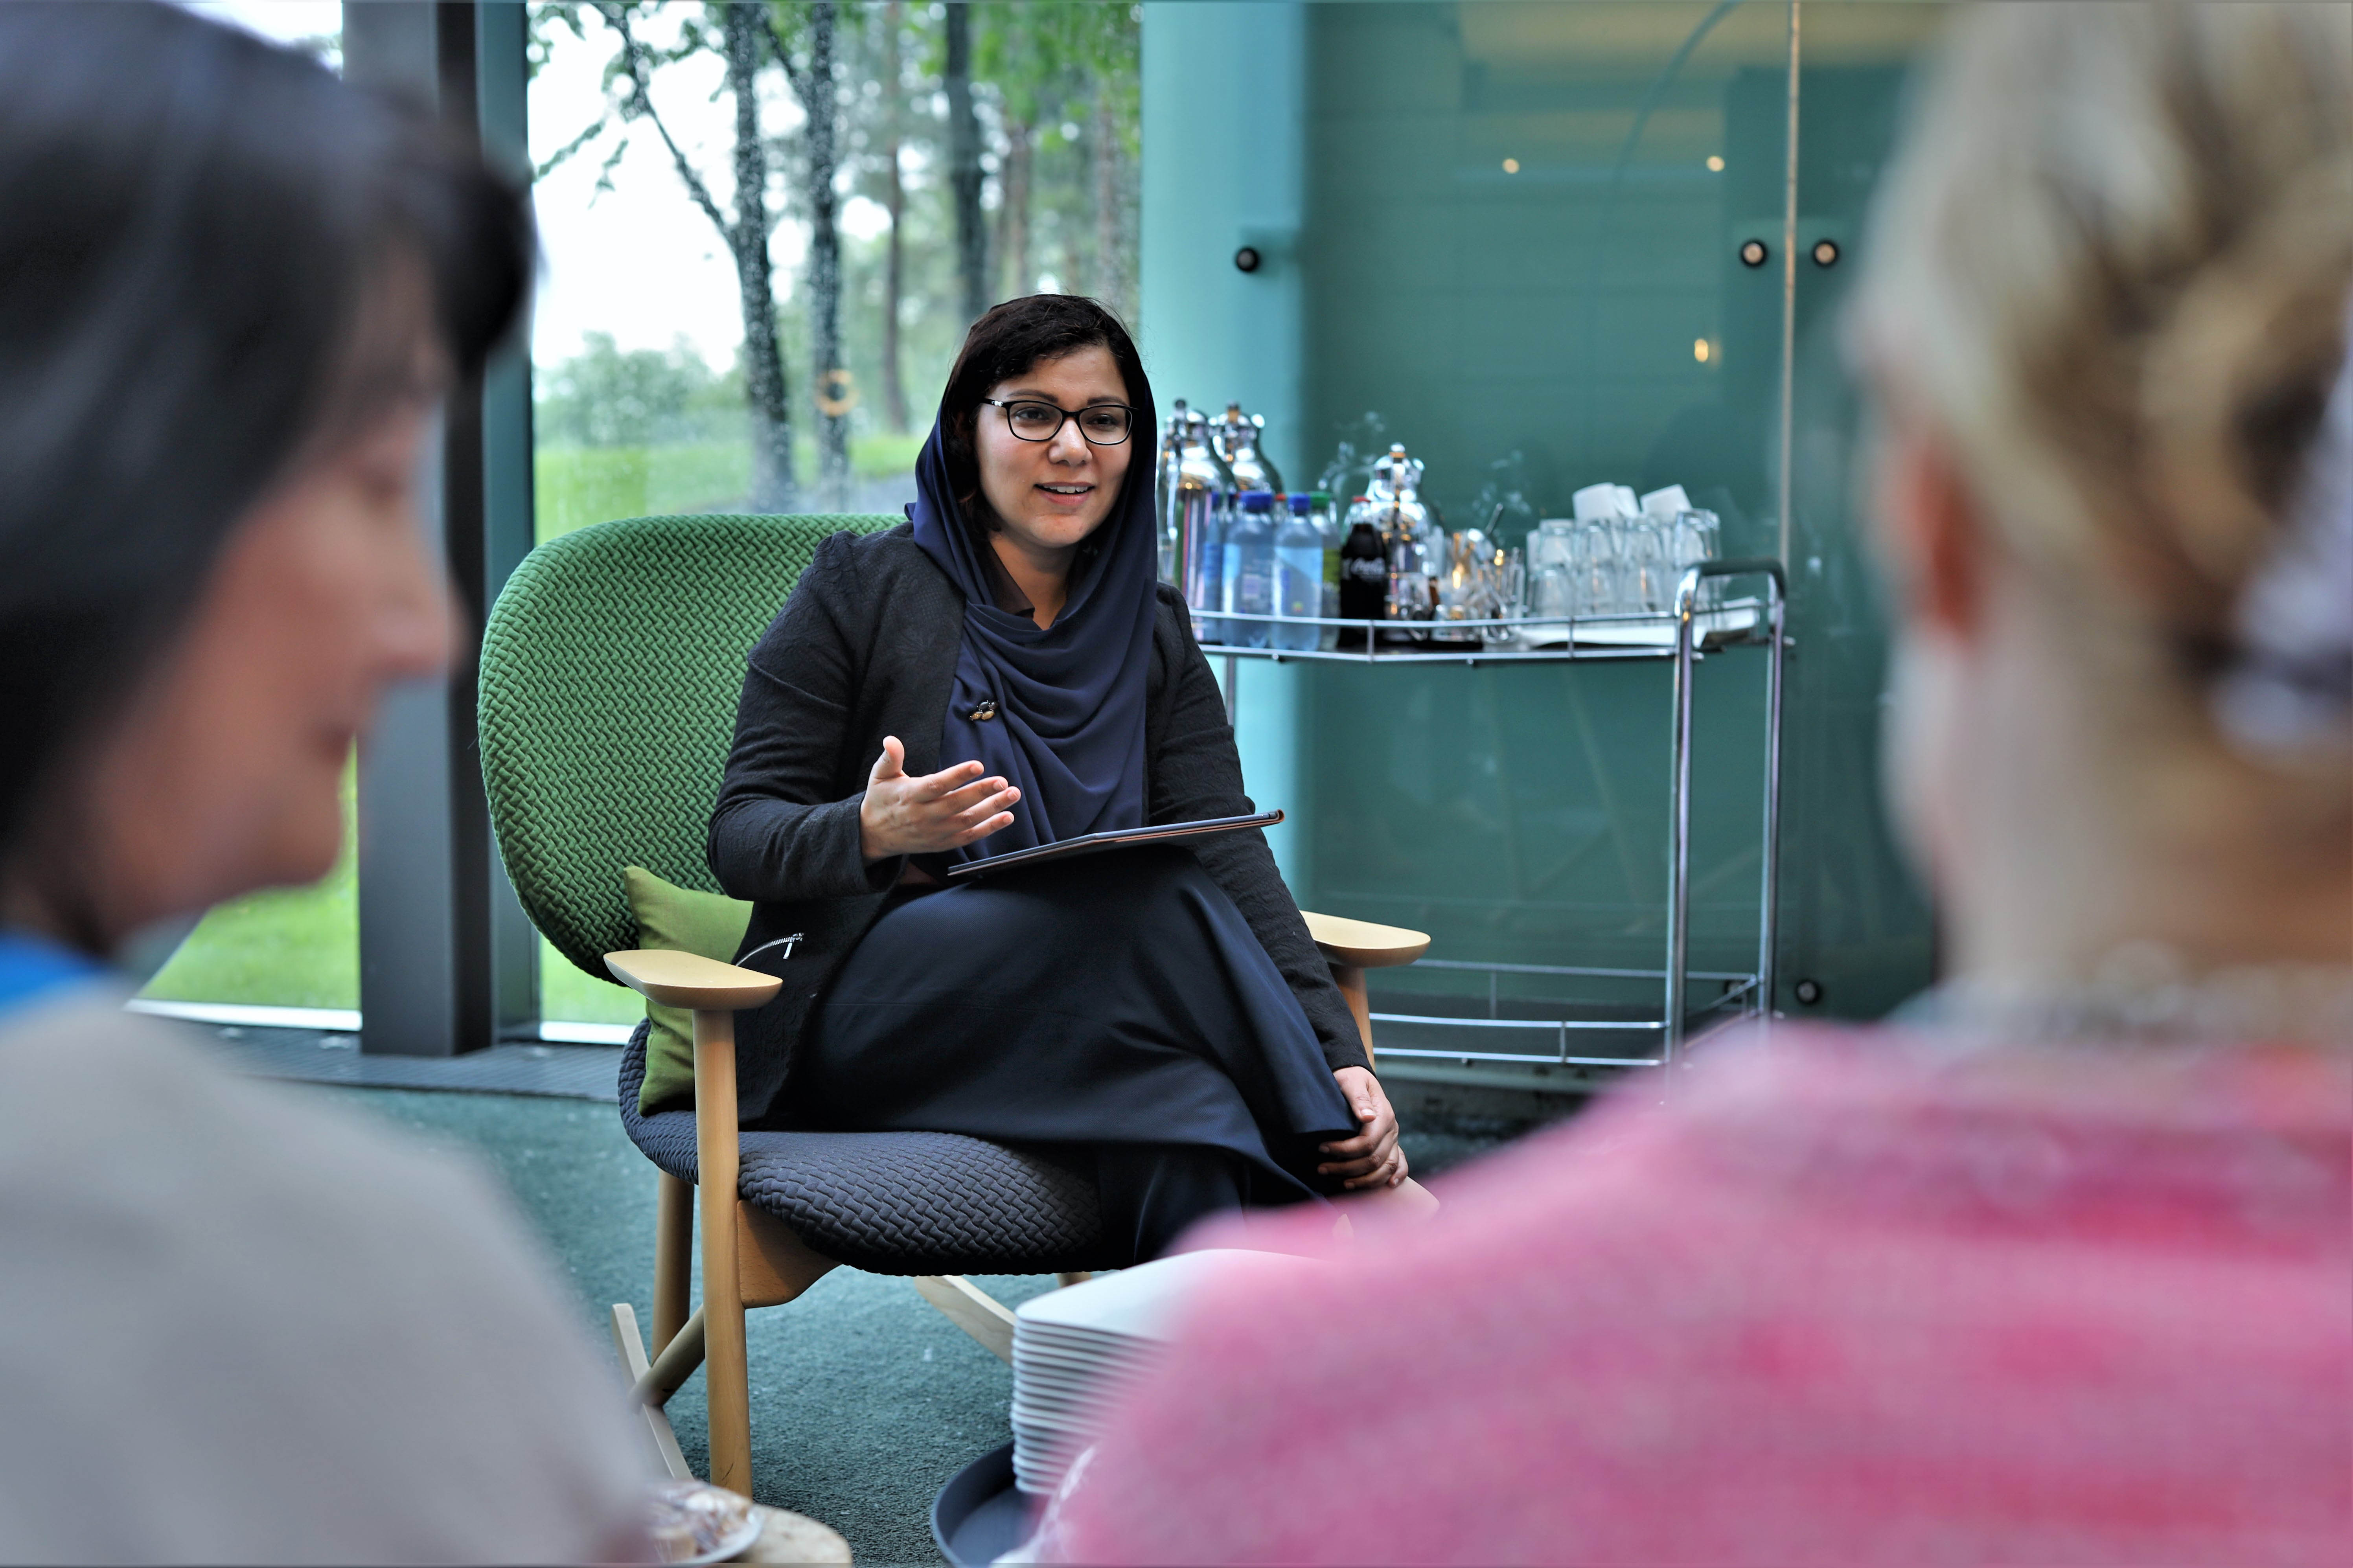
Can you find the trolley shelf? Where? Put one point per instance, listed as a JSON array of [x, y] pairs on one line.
[[1689, 632], [1650, 635]]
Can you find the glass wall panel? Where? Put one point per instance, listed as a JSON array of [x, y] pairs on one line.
[[1525, 220], [296, 947], [1853, 919], [638, 401], [1523, 255]]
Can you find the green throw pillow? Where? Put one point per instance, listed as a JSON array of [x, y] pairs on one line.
[[684, 920]]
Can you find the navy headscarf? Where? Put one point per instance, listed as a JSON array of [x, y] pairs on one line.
[[1068, 725]]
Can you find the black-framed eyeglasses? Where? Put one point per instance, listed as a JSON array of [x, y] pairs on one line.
[[1102, 424]]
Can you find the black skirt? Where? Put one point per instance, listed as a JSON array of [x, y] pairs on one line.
[[1114, 1010]]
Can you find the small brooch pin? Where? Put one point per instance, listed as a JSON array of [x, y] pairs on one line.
[[986, 711], [784, 942]]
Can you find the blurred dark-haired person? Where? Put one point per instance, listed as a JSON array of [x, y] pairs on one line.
[[2059, 1267], [1001, 672], [240, 1326]]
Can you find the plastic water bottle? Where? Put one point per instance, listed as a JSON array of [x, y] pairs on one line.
[[1248, 568], [1205, 574], [1321, 512], [1299, 569]]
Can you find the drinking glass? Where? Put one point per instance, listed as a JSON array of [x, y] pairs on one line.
[[1700, 531], [1554, 593], [1643, 567], [1509, 594]]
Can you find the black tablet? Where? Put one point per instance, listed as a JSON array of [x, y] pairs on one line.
[[1096, 843]]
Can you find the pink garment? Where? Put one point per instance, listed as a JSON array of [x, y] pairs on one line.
[[1853, 1298]]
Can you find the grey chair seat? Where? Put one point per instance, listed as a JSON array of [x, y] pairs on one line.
[[894, 1203]]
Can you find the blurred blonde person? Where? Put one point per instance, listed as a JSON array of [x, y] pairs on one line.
[[2057, 1266], [240, 1326]]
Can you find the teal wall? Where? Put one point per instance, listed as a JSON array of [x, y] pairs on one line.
[[1526, 333], [1225, 153]]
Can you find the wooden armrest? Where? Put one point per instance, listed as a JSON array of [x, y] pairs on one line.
[[689, 980], [1363, 945]]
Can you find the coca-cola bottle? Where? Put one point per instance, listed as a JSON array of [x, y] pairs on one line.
[[1364, 576]]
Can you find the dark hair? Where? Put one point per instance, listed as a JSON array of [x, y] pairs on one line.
[[1007, 343], [199, 235]]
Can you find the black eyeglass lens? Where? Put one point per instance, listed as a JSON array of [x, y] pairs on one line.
[[1104, 427], [1034, 421]]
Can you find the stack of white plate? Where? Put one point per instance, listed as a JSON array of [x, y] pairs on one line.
[[1077, 1351]]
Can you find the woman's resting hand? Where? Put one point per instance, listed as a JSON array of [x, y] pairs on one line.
[[1372, 1158], [945, 810]]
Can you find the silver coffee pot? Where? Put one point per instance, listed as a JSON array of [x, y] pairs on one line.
[[1416, 548]]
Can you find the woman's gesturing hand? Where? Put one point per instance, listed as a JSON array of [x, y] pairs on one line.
[[1372, 1158], [945, 810]]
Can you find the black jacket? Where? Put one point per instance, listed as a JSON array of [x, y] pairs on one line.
[[866, 647]]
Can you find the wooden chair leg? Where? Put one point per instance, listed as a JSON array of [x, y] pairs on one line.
[[971, 1308], [718, 1162], [667, 1372], [1065, 1280], [673, 1257], [655, 1423], [1350, 979]]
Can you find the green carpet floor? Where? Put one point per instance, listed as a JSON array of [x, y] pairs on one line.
[[864, 1400]]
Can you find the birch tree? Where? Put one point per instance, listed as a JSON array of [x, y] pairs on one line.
[[803, 37]]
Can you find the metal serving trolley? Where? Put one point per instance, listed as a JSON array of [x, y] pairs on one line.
[[1683, 636]]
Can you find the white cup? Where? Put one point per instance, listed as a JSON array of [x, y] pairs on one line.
[[1666, 504], [1596, 502]]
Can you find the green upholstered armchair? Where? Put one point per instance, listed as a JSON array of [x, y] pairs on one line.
[[610, 668]]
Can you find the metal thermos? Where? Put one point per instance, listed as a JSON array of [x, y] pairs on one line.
[[1191, 476], [1238, 438]]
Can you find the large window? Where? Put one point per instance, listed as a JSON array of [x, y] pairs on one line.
[[651, 393]]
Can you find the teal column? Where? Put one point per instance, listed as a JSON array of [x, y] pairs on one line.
[[503, 76], [1224, 117]]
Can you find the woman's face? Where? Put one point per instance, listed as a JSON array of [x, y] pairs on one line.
[[1049, 495], [226, 773]]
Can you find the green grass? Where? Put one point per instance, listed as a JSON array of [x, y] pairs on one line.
[[581, 485], [877, 456], [566, 994], [294, 947]]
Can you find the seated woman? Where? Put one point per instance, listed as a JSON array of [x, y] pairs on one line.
[[1158, 1013]]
